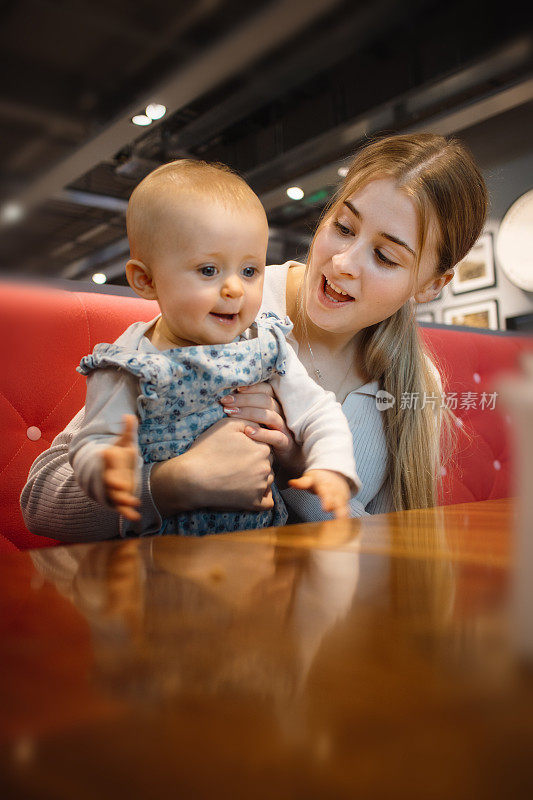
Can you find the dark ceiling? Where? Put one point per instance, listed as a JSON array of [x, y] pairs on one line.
[[282, 91]]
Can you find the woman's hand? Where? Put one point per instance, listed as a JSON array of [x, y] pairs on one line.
[[223, 468], [258, 404]]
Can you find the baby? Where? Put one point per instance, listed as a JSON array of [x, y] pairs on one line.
[[198, 239]]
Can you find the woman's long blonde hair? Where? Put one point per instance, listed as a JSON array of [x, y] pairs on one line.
[[441, 178]]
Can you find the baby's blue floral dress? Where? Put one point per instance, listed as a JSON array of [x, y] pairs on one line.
[[179, 393]]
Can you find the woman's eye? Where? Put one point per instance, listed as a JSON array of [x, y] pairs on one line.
[[209, 271], [384, 260], [343, 230], [249, 272]]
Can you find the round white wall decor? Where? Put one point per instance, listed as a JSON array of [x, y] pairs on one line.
[[514, 243]]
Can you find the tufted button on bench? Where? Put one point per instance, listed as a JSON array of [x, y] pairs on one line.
[[33, 433]]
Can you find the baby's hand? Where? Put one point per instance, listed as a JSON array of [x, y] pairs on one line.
[[332, 488], [119, 463]]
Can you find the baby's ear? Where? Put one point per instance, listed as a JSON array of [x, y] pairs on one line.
[[140, 279]]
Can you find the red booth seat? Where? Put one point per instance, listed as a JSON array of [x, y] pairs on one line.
[[45, 332]]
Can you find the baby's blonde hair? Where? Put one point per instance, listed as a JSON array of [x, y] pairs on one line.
[[180, 180]]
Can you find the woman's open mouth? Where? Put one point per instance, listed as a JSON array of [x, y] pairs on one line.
[[333, 294]]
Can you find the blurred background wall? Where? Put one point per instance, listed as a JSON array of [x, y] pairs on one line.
[[97, 94]]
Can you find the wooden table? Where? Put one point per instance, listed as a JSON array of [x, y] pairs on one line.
[[366, 659]]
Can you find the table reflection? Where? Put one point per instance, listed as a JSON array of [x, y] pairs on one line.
[[208, 617], [173, 616]]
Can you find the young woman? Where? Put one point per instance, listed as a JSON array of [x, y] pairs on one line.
[[410, 208]]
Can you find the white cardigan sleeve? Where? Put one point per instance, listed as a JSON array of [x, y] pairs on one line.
[[316, 420], [111, 393]]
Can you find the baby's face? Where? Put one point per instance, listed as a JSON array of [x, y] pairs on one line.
[[208, 269]]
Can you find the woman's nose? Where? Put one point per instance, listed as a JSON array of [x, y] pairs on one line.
[[348, 262], [232, 287]]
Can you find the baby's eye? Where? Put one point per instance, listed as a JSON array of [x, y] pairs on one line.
[[208, 270], [249, 272]]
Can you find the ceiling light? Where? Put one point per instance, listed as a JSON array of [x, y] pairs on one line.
[[342, 172], [156, 111], [12, 212], [141, 119], [295, 193], [99, 277]]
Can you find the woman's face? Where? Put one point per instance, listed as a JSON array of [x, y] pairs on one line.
[[366, 248]]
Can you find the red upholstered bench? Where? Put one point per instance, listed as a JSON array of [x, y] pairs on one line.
[[45, 332]]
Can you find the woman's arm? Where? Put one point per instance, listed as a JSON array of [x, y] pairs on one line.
[[224, 468]]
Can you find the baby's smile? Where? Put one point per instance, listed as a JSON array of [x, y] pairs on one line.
[[225, 319]]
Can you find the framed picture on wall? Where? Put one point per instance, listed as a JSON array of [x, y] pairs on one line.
[[476, 270], [476, 315]]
